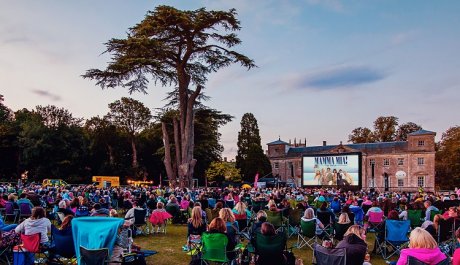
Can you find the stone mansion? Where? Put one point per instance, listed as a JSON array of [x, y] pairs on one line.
[[385, 166]]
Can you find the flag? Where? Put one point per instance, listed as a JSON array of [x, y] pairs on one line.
[[256, 179]]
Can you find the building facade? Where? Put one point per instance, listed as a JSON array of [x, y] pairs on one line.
[[385, 166]]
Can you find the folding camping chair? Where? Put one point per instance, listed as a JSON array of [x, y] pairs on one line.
[[415, 217], [93, 256], [395, 238], [277, 220], [294, 221], [139, 221], [25, 211], [327, 221], [214, 248], [270, 248], [11, 214], [62, 246], [243, 224], [327, 256], [29, 247], [446, 236], [375, 222], [340, 230], [93, 233], [307, 234]]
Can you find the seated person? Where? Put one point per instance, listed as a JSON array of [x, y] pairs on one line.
[[99, 211], [354, 242], [422, 246], [63, 208], [217, 225], [267, 229], [36, 223]]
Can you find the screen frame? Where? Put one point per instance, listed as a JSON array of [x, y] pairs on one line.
[[360, 169]]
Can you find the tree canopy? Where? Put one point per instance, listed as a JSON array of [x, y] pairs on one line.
[[179, 48], [385, 130], [250, 158]]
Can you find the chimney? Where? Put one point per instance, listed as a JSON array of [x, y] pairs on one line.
[[324, 143]]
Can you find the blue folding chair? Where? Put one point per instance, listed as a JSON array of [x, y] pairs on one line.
[[396, 238], [62, 244]]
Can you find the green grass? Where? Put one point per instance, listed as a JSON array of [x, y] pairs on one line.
[[169, 247]]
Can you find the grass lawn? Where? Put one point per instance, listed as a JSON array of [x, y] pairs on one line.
[[169, 247]]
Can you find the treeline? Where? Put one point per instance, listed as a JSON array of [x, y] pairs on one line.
[[49, 142]]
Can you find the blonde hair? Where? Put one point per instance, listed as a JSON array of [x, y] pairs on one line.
[[196, 218], [271, 203], [344, 219], [309, 213], [420, 238], [357, 230], [227, 215], [240, 207]]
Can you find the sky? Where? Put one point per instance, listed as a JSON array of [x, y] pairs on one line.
[[325, 67]]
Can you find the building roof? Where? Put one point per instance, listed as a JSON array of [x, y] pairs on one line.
[[422, 132], [386, 147], [279, 141]]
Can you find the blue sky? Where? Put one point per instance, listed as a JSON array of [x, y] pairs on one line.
[[325, 67]]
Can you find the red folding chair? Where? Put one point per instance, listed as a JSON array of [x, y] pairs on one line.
[[31, 244]]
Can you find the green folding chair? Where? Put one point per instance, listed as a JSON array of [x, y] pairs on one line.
[[415, 217], [214, 248], [307, 234]]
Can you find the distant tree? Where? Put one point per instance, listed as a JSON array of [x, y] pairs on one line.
[[448, 159], [385, 129], [174, 47], [361, 135], [58, 151], [54, 117], [250, 158], [223, 171], [405, 129], [102, 131], [5, 112], [8, 142], [131, 116]]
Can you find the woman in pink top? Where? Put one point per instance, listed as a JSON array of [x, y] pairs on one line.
[[456, 257], [423, 247]]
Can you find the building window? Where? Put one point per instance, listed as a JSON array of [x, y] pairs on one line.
[[421, 181], [421, 143], [371, 162], [400, 161], [276, 165], [386, 162], [420, 161], [400, 182]]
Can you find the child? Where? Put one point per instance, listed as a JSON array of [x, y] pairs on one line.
[[159, 217]]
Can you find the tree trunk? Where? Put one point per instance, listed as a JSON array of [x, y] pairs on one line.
[[168, 161], [133, 146], [177, 143], [111, 156]]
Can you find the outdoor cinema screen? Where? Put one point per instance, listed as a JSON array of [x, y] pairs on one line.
[[331, 170]]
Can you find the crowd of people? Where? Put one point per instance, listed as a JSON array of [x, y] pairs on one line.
[[221, 210]]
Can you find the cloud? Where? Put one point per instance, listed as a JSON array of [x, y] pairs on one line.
[[44, 93], [336, 78]]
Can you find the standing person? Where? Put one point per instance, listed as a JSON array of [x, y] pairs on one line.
[[354, 242], [422, 246]]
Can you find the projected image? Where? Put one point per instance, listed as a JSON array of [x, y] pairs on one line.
[[331, 170]]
